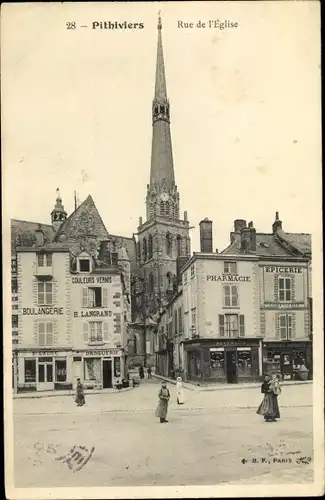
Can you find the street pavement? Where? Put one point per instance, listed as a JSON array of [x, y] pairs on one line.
[[215, 438]]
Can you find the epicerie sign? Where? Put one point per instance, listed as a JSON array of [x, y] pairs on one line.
[[228, 277], [274, 269]]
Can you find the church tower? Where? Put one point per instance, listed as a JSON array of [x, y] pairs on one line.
[[58, 214], [163, 239]]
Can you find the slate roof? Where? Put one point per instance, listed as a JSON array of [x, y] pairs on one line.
[[275, 245], [23, 233]]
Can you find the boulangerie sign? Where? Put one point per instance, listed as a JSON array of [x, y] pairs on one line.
[[143, 141]]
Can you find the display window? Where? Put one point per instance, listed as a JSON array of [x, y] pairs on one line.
[[217, 364], [60, 370], [92, 369], [30, 370], [244, 363]]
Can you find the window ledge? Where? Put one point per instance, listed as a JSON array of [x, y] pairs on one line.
[[231, 307]]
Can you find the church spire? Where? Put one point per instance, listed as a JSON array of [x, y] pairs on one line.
[[162, 181], [58, 214]]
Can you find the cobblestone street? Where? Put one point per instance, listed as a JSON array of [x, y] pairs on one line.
[[216, 437]]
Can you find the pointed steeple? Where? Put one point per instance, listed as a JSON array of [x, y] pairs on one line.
[[162, 195], [58, 214], [160, 87]]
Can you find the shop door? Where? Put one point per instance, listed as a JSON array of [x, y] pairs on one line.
[[45, 374], [231, 367], [107, 373]]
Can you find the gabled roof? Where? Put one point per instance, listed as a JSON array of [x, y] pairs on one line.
[[23, 233], [84, 221], [298, 242]]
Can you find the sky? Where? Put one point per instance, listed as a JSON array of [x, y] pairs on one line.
[[245, 112]]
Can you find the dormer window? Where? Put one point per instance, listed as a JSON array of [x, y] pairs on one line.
[[44, 259], [84, 265]]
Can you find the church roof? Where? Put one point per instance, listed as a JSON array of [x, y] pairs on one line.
[[84, 221]]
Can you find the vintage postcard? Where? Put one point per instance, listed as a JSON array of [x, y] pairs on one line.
[[162, 236]]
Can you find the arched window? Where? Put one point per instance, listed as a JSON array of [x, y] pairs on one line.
[[162, 109], [162, 208], [150, 284], [167, 208], [150, 247], [168, 244], [144, 249], [178, 246], [156, 110], [169, 280], [139, 251]]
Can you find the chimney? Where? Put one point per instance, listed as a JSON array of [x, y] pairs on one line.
[[185, 215], [206, 236], [39, 237], [253, 236], [140, 221], [277, 224], [239, 224], [114, 257]]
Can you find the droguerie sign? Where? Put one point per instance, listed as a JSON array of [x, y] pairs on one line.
[[228, 277]]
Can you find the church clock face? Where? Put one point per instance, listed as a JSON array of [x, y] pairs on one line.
[[164, 197]]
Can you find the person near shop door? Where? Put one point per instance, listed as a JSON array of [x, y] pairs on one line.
[[141, 372], [269, 407], [162, 408], [80, 395]]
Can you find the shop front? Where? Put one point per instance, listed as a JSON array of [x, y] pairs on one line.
[[228, 360], [44, 370], [290, 360], [99, 368]]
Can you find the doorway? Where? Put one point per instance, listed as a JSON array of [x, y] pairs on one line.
[[107, 373], [231, 364], [45, 374]]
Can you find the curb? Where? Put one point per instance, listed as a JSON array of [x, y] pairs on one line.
[[39, 395], [200, 388]]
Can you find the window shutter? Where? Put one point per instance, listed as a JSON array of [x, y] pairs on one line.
[[241, 325], [283, 327], [234, 294], [221, 325], [85, 332], [106, 331], [105, 297], [49, 333], [289, 326], [85, 297], [227, 295], [41, 333]]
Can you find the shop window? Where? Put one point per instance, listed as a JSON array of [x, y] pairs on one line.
[[244, 362], [230, 296], [84, 265], [60, 370], [273, 362], [96, 331], [45, 294], [117, 367], [230, 267], [285, 321], [285, 289], [30, 370], [94, 297], [45, 333], [44, 259], [217, 363], [92, 369]]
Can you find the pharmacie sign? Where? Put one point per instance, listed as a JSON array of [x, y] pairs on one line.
[[228, 277]]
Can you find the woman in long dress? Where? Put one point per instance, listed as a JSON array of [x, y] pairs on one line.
[[180, 391], [80, 396], [162, 408], [269, 407]]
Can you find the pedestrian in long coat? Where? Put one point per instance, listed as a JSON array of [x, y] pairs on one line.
[[162, 408], [141, 372], [180, 391], [269, 407], [80, 395]]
